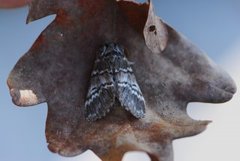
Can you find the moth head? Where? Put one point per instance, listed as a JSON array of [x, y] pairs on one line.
[[111, 48]]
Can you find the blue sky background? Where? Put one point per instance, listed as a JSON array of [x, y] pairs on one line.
[[214, 26]]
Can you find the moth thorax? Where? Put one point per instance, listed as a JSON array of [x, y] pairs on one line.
[[111, 49]]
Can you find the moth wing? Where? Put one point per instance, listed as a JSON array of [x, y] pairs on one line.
[[129, 93], [101, 93]]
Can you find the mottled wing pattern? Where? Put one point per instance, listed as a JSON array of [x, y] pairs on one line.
[[101, 92], [113, 78], [128, 91]]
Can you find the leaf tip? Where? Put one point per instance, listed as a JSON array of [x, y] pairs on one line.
[[23, 97]]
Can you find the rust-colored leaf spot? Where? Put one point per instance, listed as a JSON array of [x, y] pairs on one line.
[[170, 71]]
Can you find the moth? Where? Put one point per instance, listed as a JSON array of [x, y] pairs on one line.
[[112, 80]]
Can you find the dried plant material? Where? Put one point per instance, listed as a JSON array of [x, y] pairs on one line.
[[155, 32], [24, 97], [169, 69]]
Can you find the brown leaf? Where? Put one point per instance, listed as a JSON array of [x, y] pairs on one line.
[[57, 69], [155, 32]]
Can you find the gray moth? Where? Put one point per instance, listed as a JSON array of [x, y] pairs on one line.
[[112, 80]]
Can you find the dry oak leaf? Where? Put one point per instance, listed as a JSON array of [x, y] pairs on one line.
[[170, 70]]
